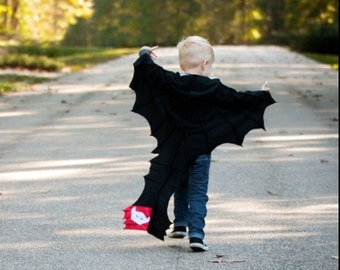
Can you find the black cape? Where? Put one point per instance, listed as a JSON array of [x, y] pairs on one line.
[[189, 115]]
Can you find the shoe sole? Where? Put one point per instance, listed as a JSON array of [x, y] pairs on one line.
[[198, 247], [177, 235]]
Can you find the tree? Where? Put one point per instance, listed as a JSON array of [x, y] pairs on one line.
[[39, 20], [9, 18], [315, 27]]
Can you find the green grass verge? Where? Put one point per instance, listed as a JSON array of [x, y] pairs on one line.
[[12, 82], [81, 60], [30, 62], [332, 60], [57, 58], [50, 59]]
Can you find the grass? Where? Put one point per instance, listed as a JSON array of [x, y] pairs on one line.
[[12, 82], [332, 60], [31, 62], [81, 60], [57, 58], [50, 59]]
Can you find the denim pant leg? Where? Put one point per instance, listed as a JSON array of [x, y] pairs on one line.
[[197, 195], [181, 210], [190, 202]]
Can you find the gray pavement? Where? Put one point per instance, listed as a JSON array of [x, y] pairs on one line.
[[72, 157]]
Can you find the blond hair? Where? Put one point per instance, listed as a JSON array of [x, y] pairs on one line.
[[193, 50]]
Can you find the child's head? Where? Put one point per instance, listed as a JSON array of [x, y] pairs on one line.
[[194, 51]]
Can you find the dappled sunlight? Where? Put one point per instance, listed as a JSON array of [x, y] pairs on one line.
[[243, 234], [266, 235], [245, 229], [85, 89], [78, 126], [60, 169], [59, 199], [22, 216], [67, 162], [301, 150], [259, 65], [101, 232], [136, 146], [266, 206], [106, 68], [263, 219], [16, 113], [78, 89], [39, 175], [25, 245], [300, 137], [116, 87]]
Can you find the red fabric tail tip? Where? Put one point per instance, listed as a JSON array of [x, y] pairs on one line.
[[137, 217]]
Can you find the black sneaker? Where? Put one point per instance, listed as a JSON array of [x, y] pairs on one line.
[[178, 232], [197, 244]]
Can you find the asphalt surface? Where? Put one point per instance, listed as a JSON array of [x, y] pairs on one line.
[[73, 155]]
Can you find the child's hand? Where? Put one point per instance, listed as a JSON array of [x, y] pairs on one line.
[[265, 86], [150, 50]]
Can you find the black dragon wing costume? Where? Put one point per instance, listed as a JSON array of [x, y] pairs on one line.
[[189, 115]]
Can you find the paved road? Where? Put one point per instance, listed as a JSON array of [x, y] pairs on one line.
[[72, 157]]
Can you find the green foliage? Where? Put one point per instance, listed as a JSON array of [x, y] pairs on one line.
[[133, 23], [40, 20], [314, 28], [302, 24], [320, 38]]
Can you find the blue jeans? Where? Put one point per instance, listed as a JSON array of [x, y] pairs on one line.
[[190, 203]]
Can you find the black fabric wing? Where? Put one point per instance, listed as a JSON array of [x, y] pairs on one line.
[[209, 112]]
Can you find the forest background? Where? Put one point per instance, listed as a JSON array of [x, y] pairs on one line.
[[301, 24], [52, 34]]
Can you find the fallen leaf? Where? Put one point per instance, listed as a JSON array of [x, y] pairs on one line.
[[215, 261], [41, 192], [233, 261], [219, 259], [317, 96], [225, 261]]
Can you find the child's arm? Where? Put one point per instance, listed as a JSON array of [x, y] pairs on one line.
[[149, 50], [148, 73]]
